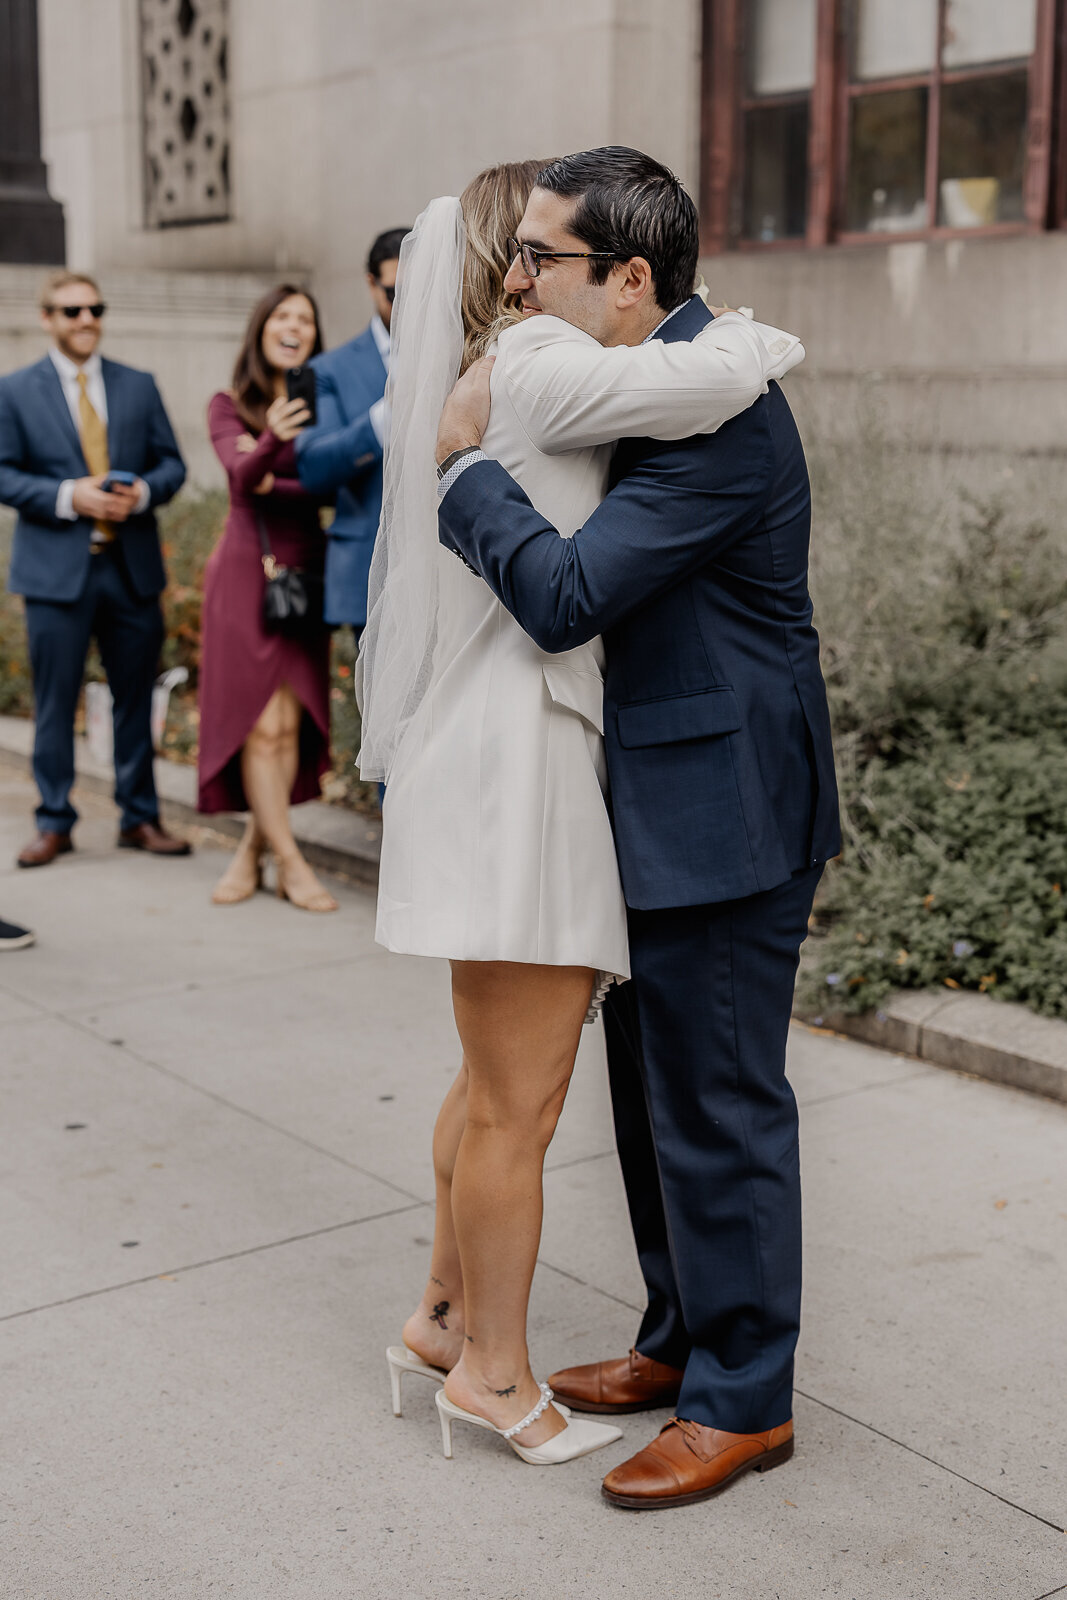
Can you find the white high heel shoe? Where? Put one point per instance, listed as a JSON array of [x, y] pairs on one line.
[[402, 1360], [577, 1439]]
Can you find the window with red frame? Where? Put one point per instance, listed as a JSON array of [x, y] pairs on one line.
[[862, 119]]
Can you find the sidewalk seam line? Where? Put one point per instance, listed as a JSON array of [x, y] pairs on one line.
[[580, 1161], [211, 986], [1034, 1515], [865, 1088], [211, 1261], [244, 1111]]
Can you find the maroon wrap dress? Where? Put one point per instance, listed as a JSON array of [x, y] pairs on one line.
[[241, 665]]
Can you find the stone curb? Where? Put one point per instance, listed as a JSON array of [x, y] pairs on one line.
[[969, 1033], [332, 839], [965, 1032]]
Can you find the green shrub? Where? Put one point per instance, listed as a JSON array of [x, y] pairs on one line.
[[16, 688], [954, 874], [946, 663], [190, 528]]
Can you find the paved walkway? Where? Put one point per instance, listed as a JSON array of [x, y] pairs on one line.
[[213, 1218]]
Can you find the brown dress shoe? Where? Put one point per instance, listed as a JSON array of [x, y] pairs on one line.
[[630, 1383], [151, 837], [689, 1462], [44, 847]]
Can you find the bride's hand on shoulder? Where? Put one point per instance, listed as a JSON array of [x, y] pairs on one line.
[[466, 414]]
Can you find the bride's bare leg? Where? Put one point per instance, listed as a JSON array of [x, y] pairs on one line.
[[520, 1026], [435, 1328]]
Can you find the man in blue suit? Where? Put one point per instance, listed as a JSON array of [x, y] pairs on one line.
[[86, 554], [694, 570], [342, 453]]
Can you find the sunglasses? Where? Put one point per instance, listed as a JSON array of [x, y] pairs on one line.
[[389, 291], [72, 313], [531, 259]]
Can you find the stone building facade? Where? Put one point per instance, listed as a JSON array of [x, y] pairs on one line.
[[886, 177]]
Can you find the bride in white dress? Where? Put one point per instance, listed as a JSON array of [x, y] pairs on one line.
[[497, 850]]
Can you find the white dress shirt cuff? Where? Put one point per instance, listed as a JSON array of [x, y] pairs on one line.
[[65, 501], [379, 420], [445, 483], [144, 499]]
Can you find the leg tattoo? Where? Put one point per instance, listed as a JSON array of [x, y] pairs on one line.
[[439, 1312], [503, 1393]]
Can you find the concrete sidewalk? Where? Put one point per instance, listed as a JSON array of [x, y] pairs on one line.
[[214, 1218]]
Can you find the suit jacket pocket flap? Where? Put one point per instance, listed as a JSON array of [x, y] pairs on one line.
[[687, 716], [578, 690]]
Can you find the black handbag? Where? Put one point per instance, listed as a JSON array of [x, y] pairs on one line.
[[292, 597]]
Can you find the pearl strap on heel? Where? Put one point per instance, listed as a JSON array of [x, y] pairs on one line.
[[578, 1438], [531, 1416], [401, 1359]]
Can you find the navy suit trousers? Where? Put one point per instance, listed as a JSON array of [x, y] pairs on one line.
[[706, 1127], [129, 632]]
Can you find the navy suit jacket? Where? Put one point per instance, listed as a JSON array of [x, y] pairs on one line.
[[341, 455], [694, 570], [39, 448]]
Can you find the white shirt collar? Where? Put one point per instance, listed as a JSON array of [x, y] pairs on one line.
[[380, 334], [68, 370], [664, 320]]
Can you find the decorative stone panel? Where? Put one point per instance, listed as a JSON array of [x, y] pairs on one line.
[[186, 111]]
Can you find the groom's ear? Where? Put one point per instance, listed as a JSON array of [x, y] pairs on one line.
[[634, 283]]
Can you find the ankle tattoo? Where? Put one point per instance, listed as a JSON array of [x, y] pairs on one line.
[[503, 1393], [438, 1282], [440, 1311]]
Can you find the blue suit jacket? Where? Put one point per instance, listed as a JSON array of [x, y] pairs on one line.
[[39, 448], [694, 569], [341, 455]]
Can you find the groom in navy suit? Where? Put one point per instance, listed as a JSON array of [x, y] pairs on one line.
[[86, 554], [342, 453], [724, 802]]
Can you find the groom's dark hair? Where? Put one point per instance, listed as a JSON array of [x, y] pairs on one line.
[[630, 205]]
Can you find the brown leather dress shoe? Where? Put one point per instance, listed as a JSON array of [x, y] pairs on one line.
[[630, 1383], [151, 837], [689, 1462], [44, 847]]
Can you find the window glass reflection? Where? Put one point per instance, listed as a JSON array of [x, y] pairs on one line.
[[988, 30], [781, 45], [776, 172], [983, 151], [887, 162], [892, 38]]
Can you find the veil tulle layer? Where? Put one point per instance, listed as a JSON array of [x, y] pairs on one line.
[[396, 650]]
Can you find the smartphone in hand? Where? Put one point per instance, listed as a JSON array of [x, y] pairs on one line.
[[300, 385], [121, 480]]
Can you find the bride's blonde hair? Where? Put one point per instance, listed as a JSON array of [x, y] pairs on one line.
[[492, 204]]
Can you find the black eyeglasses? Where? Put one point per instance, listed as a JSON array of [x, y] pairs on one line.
[[531, 259], [73, 312], [389, 290]]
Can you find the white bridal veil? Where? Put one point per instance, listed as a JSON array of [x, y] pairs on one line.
[[396, 651]]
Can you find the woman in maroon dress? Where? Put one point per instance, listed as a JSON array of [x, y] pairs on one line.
[[264, 697]]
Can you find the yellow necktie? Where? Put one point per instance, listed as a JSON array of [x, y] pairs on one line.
[[93, 433]]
